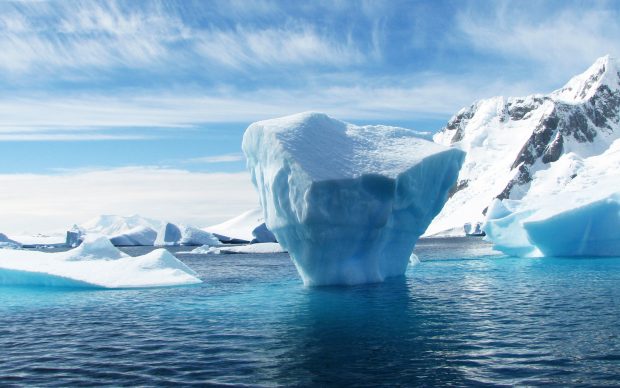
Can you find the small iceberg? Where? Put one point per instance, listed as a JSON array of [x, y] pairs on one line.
[[247, 227], [259, 248], [7, 243], [171, 235], [584, 229], [95, 263]]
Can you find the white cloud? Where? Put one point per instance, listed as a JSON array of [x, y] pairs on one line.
[[69, 137], [566, 40], [35, 203], [225, 158], [428, 95], [299, 45]]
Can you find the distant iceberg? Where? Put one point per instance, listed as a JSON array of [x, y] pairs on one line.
[[348, 202], [121, 230], [247, 227], [95, 263], [258, 248], [171, 234], [6, 242]]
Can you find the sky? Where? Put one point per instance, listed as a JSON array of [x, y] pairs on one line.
[[123, 107]]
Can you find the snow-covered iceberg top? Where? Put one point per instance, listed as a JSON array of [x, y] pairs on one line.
[[348, 202], [95, 263]]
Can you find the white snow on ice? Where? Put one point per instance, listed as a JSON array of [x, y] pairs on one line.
[[95, 263]]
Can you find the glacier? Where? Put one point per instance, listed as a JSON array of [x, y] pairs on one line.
[[96, 263], [347, 202]]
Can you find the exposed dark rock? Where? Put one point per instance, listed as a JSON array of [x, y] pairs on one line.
[[458, 186]]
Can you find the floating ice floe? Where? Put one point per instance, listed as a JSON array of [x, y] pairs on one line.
[[95, 263], [348, 202]]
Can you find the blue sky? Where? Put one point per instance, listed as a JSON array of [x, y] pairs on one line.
[[96, 86]]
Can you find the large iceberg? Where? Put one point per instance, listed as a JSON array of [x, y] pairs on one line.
[[95, 263], [348, 202], [171, 234]]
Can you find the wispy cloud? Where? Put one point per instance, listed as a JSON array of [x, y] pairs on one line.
[[243, 48], [562, 38], [224, 158], [33, 202]]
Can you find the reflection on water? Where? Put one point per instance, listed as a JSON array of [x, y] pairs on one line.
[[464, 316]]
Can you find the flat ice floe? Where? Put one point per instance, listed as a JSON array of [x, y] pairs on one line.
[[348, 202], [95, 263]]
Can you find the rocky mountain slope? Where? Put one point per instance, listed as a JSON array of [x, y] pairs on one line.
[[511, 142]]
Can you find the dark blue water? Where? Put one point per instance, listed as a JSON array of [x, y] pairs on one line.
[[464, 316]]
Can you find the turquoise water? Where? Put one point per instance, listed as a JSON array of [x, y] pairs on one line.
[[464, 316]]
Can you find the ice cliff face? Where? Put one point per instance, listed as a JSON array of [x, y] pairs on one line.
[[347, 202], [511, 142]]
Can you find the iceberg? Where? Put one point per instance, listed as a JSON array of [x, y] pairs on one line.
[[121, 230], [7, 243], [258, 248], [347, 202], [171, 234], [247, 227], [590, 229], [95, 263], [137, 236]]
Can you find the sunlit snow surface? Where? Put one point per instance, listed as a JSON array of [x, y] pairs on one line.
[[95, 263], [348, 202]]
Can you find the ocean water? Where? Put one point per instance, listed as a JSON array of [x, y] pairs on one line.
[[464, 316]]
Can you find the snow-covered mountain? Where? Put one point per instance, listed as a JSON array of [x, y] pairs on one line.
[[528, 144]]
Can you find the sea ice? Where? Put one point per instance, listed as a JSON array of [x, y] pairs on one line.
[[95, 263], [171, 234], [348, 202]]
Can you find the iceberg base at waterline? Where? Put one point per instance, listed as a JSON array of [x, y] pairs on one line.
[[95, 263]]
